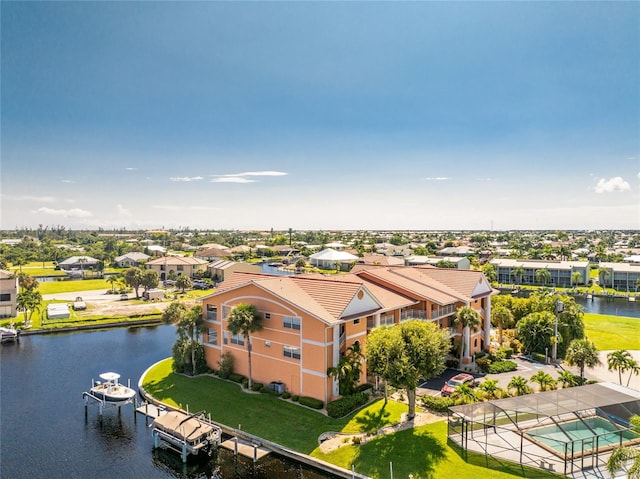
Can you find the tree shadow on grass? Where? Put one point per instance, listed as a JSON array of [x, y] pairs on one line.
[[411, 451], [370, 421]]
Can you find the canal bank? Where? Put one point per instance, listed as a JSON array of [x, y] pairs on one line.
[[244, 436]]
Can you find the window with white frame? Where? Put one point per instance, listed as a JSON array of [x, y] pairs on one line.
[[291, 322], [237, 339], [291, 352], [212, 336], [212, 312]]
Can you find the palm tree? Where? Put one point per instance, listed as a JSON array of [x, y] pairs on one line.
[[347, 372], [623, 454], [183, 282], [28, 301], [490, 389], [113, 279], [567, 379], [544, 381], [244, 319], [603, 275], [619, 360], [582, 353], [502, 317], [543, 276], [469, 319], [191, 324], [575, 278], [519, 273], [464, 394], [519, 385], [634, 369]]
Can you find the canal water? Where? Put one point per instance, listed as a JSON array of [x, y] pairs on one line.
[[44, 432]]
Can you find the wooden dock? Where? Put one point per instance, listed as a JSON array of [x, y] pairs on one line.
[[245, 448], [150, 410]]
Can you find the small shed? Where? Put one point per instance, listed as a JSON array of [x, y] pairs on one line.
[[58, 311]]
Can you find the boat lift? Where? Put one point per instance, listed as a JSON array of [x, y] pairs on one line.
[[102, 404]]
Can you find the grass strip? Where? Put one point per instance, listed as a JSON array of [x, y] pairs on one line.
[[612, 332]]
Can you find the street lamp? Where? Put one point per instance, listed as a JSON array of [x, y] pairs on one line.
[[559, 308]]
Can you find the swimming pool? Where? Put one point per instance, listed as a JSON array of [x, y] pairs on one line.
[[581, 435]]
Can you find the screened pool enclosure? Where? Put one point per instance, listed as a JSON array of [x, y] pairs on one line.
[[565, 430]]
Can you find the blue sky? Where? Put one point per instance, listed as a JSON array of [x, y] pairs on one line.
[[321, 115]]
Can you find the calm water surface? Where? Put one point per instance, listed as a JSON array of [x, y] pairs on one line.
[[44, 432]]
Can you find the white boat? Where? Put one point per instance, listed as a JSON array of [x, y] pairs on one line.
[[8, 335], [111, 391]]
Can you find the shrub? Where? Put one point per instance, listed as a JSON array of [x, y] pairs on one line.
[[226, 365], [245, 383], [502, 367], [508, 352], [451, 363], [364, 387], [295, 398], [313, 403], [343, 406], [257, 386], [237, 378], [437, 403], [539, 357], [483, 364], [286, 395]]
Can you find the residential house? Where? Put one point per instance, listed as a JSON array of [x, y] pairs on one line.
[[381, 259], [456, 251], [561, 272], [134, 258], [8, 294], [328, 259], [180, 265], [310, 320], [213, 253], [458, 261], [222, 269], [78, 263]]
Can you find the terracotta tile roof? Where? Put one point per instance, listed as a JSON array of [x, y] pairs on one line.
[[177, 260], [5, 274], [389, 299], [463, 281], [416, 282]]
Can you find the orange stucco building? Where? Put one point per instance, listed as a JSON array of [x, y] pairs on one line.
[[310, 320]]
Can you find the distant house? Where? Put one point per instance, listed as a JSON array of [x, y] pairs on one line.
[[8, 294], [213, 253], [456, 251], [222, 269], [382, 260], [131, 259], [78, 263], [457, 261], [329, 258], [621, 276], [180, 265], [156, 250]]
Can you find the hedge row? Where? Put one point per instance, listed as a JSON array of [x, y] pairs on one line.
[[437, 403], [343, 406], [502, 367], [311, 402]]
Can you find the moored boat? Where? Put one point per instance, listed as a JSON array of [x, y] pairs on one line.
[[185, 433], [9, 335], [110, 390]]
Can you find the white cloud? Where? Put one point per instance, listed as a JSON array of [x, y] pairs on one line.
[[185, 178], [613, 184], [437, 178], [71, 213], [639, 175], [124, 212], [131, 168], [231, 179], [242, 177], [185, 208], [67, 181], [41, 199]]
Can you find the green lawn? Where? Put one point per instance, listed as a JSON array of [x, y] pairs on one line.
[[422, 451], [51, 287], [612, 332]]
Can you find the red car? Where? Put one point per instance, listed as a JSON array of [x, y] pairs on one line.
[[455, 381]]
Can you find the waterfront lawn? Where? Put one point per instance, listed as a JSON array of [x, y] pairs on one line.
[[612, 332], [422, 451]]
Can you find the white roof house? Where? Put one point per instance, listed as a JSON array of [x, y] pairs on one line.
[[327, 258]]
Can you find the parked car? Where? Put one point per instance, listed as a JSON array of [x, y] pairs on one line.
[[124, 297], [200, 284], [456, 381]]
